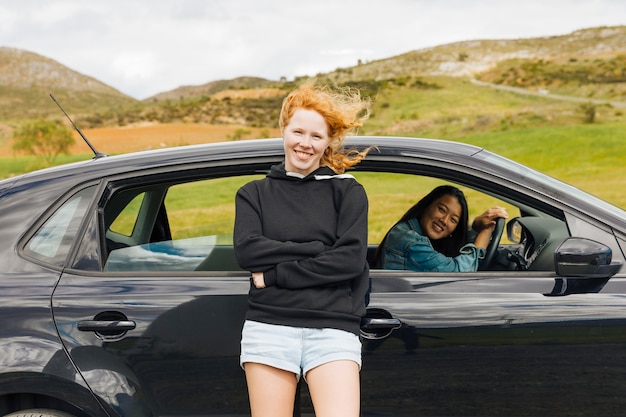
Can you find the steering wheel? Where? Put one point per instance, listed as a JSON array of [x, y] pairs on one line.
[[490, 252]]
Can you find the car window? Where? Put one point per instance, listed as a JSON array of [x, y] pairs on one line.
[[537, 234], [390, 195], [173, 227], [53, 240]]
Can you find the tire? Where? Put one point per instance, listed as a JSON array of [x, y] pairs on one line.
[[39, 412]]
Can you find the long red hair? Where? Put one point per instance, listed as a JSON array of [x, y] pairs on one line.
[[344, 111]]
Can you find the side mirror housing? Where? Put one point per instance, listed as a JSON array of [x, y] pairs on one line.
[[580, 257]]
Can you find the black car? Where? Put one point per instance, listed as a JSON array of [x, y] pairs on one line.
[[120, 294]]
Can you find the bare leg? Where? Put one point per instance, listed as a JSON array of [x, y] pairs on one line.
[[335, 389], [272, 391]]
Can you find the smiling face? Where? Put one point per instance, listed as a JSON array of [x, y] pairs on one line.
[[305, 138], [441, 217]]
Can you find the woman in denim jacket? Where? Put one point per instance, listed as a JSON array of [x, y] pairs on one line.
[[427, 238]]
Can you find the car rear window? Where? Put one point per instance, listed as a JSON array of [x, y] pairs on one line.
[[53, 240]]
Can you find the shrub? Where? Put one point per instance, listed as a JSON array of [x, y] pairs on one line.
[[43, 138]]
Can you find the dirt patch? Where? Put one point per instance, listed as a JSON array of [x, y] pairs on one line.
[[115, 140]]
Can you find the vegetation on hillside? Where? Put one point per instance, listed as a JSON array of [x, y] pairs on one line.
[[213, 87], [593, 78], [234, 106], [254, 112], [437, 106]]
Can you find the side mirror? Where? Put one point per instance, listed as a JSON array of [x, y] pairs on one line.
[[580, 257], [583, 266]]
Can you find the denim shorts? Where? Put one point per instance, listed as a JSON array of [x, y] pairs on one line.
[[296, 349]]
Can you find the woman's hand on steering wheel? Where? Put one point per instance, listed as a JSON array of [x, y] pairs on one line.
[[488, 218], [492, 247]]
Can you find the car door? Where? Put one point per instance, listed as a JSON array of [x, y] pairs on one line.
[[516, 340], [151, 312], [492, 344]]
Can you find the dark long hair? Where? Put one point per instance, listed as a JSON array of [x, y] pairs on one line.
[[449, 246]]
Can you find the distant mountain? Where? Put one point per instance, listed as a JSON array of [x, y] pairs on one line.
[[23, 69], [213, 87], [472, 57], [458, 59], [27, 79]]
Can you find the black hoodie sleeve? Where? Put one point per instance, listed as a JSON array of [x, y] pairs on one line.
[[255, 252]]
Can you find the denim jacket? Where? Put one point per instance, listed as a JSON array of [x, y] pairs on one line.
[[406, 248]]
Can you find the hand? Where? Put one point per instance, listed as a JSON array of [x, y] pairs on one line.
[[258, 280], [487, 220]]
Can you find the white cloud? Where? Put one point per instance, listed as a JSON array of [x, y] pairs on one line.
[[134, 65]]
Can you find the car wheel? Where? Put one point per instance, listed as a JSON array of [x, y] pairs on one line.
[[39, 412]]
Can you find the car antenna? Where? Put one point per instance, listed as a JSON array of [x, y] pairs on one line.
[[96, 154]]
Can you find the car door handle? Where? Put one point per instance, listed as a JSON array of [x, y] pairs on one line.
[[368, 323], [106, 325]]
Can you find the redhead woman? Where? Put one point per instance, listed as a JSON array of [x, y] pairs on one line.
[[302, 233]]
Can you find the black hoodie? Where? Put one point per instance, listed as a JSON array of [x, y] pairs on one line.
[[309, 238]]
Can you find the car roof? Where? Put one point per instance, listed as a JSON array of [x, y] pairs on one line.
[[251, 148]]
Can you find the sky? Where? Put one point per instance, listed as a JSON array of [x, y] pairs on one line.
[[144, 47]]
